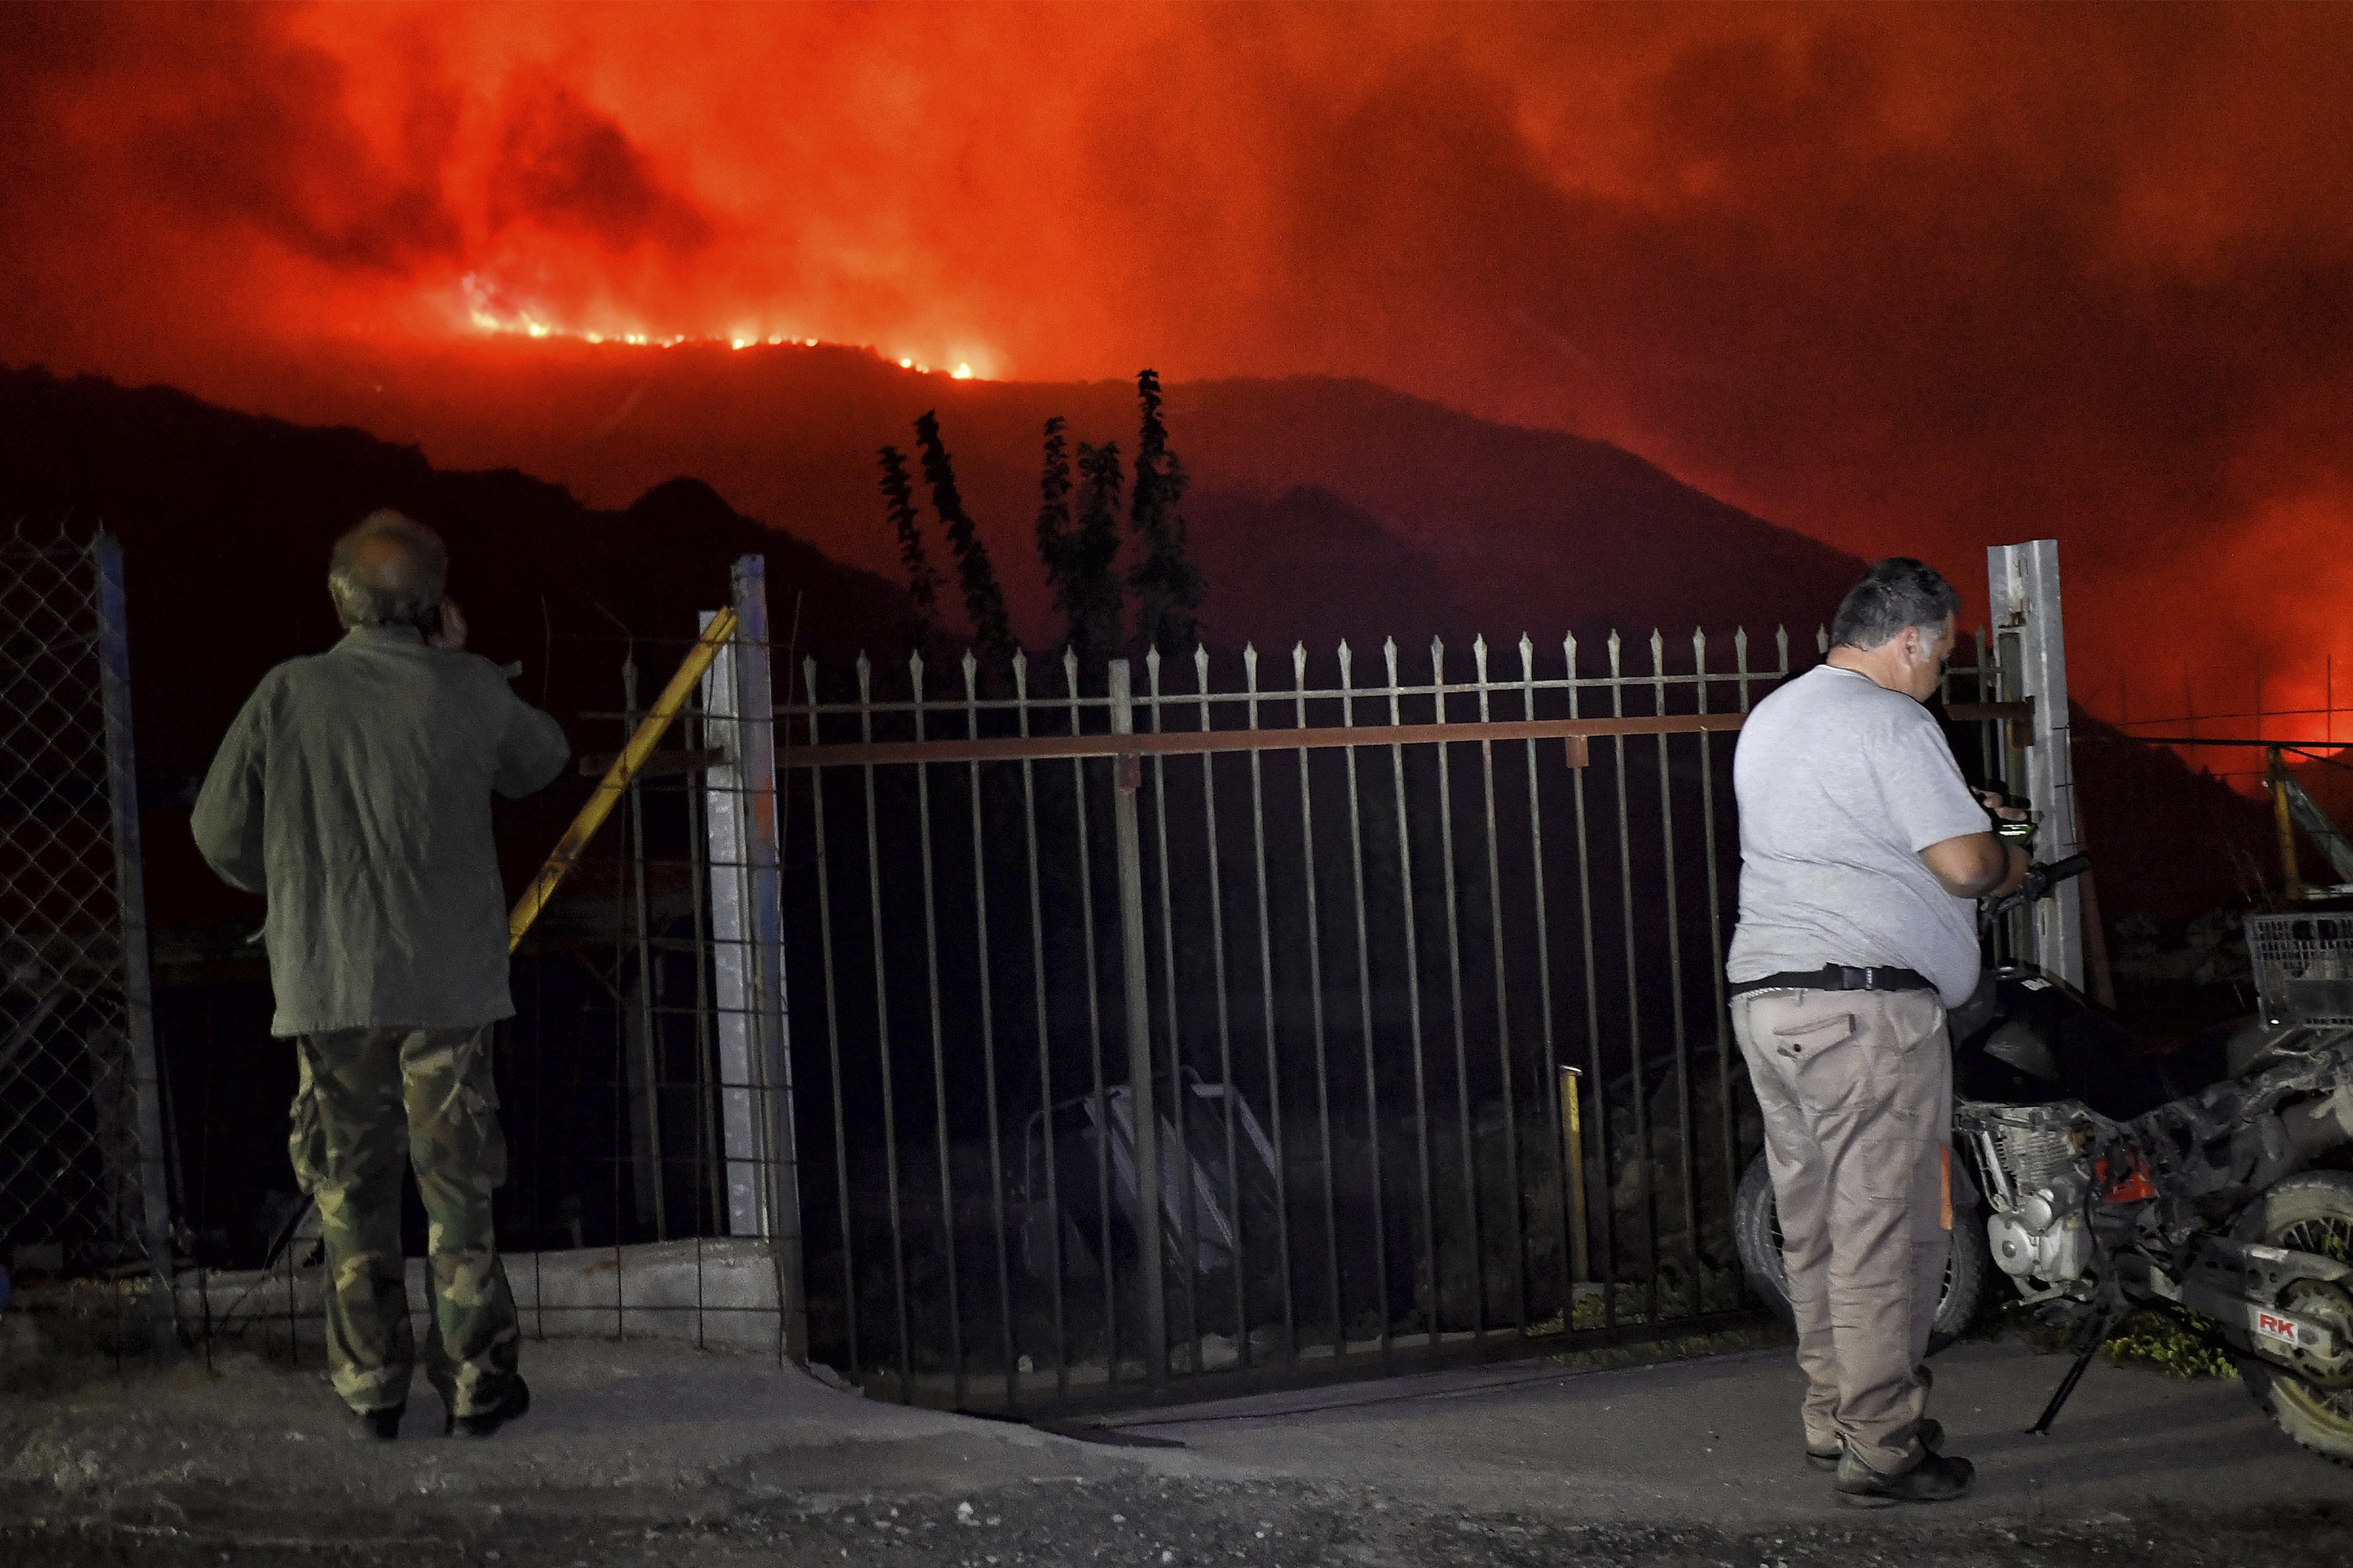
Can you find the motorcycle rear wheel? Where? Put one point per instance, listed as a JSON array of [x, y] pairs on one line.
[[2310, 1213], [1756, 1233]]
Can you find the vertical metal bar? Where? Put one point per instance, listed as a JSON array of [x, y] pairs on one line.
[[1266, 994], [1102, 1111], [1686, 1152], [1502, 1001], [1365, 1005], [988, 1038], [1225, 1029], [619, 1083], [1989, 756], [939, 1048], [650, 1052], [1454, 997], [1728, 1135], [1593, 1010], [832, 1022], [711, 1203], [1410, 914], [1045, 1037], [883, 1052], [1315, 1002], [1572, 1174], [1179, 1160], [1141, 1098], [131, 915], [1633, 992]]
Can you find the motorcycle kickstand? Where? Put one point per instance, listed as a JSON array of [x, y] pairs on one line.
[[2107, 1325]]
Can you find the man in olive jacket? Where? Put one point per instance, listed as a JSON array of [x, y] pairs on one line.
[[353, 790]]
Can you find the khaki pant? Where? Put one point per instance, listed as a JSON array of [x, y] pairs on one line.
[[1856, 1088], [368, 1102]]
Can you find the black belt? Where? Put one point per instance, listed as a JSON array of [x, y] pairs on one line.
[[1840, 977]]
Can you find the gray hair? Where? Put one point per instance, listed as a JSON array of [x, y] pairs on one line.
[[1894, 595], [387, 571]]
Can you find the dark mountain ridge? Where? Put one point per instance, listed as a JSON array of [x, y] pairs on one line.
[[1496, 529], [225, 520]]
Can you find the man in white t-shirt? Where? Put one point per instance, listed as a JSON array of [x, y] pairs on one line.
[[1862, 851]]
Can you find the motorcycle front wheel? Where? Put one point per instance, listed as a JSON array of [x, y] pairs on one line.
[[1756, 1233], [2310, 1213]]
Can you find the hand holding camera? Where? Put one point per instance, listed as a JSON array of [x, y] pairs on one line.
[[448, 627], [2013, 823]]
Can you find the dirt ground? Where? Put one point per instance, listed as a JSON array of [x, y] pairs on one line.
[[650, 1453]]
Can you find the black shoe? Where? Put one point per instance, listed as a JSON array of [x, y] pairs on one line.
[[1935, 1479], [1931, 1433], [377, 1426], [487, 1423]]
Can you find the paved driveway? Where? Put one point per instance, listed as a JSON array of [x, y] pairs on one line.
[[646, 1452]]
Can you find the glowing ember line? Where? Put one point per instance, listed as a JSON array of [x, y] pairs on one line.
[[491, 315]]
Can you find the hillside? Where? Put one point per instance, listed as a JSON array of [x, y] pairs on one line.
[[225, 520], [1496, 529]]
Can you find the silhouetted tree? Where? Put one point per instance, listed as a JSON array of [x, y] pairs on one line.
[[923, 582], [1168, 587], [1092, 592], [1054, 505], [1078, 561], [984, 597]]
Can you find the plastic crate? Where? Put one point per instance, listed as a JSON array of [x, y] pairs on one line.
[[2304, 967]]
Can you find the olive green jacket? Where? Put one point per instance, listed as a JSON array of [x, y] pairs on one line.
[[355, 791]]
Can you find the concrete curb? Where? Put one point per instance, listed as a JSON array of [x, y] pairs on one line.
[[720, 1293]]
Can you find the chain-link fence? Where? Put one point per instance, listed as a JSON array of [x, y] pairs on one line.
[[83, 1177]]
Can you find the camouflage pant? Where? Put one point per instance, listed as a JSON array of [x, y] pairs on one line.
[[366, 1098]]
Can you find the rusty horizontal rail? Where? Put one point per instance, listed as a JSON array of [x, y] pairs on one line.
[[657, 764], [1194, 742], [1972, 712]]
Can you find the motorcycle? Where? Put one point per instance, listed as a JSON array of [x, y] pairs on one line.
[[2101, 1176]]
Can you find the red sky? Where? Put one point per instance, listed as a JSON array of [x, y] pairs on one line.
[[1905, 278]]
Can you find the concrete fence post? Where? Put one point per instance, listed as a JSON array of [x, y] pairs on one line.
[[742, 841]]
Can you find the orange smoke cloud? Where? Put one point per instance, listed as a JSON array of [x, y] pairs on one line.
[[1908, 279]]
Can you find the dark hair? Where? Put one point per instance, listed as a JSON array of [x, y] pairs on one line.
[[1895, 595], [387, 571]]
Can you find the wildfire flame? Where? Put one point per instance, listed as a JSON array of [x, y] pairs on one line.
[[490, 311]]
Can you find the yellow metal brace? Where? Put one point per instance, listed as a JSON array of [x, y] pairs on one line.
[[616, 778]]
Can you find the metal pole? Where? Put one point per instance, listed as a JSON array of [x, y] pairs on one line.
[[1139, 1029], [648, 1183], [1572, 1153], [130, 908], [2283, 823], [2022, 581]]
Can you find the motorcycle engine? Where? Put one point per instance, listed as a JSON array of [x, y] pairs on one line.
[[2057, 1252], [2037, 1228]]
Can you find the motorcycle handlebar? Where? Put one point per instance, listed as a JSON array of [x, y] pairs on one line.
[[2059, 871], [2038, 884]]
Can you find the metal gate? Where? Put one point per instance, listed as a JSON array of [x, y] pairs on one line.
[[1154, 1041], [83, 1184]]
